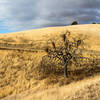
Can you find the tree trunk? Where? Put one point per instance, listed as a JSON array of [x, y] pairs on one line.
[[66, 71]]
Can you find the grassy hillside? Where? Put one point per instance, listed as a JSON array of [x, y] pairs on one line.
[[87, 89], [22, 52]]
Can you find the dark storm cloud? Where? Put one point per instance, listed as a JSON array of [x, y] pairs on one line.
[[29, 14]]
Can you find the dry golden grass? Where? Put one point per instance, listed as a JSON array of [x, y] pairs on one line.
[[17, 67], [87, 89]]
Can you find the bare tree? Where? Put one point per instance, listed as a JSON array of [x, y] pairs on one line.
[[68, 53]]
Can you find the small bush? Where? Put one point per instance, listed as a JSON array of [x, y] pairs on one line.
[[47, 67], [94, 23], [74, 23]]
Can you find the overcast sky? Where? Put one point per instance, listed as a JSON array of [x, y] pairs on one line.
[[18, 15]]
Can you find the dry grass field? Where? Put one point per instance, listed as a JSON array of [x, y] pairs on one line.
[[21, 54], [87, 89]]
